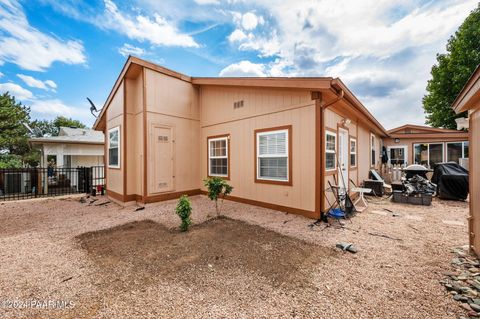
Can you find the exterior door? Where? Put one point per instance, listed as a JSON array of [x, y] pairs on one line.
[[163, 159], [398, 155], [343, 160]]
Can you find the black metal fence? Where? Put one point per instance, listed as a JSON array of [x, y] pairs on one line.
[[23, 183]]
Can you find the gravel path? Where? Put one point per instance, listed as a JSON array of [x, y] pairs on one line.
[[403, 254]]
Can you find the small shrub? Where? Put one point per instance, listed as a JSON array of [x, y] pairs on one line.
[[184, 210], [217, 187]]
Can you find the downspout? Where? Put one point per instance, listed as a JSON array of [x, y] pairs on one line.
[[323, 107]]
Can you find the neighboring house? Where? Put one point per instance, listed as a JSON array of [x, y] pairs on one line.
[[469, 100], [274, 139], [72, 147], [414, 144]]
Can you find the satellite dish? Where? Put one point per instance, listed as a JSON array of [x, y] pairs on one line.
[[93, 108]]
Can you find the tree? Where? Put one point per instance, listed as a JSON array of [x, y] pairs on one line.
[[52, 128], [452, 71], [43, 128], [217, 187], [13, 118], [184, 210]]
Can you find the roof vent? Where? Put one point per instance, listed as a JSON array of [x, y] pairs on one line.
[[238, 104]]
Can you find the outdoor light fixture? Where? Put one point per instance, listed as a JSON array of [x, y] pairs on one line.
[[397, 140], [346, 122]]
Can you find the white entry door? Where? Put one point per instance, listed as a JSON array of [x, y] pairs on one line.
[[343, 160]]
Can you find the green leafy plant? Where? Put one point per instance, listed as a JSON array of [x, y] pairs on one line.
[[217, 188], [184, 210], [451, 73]]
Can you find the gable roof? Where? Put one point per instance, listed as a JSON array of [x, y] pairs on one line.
[[426, 129], [469, 96], [326, 84], [420, 131]]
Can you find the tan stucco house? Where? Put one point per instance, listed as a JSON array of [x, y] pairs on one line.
[[415, 144], [274, 139], [469, 101]]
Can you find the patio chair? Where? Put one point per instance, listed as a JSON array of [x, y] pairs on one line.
[[343, 207], [360, 203]]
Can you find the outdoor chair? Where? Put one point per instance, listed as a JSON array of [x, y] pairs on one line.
[[360, 203], [343, 207]]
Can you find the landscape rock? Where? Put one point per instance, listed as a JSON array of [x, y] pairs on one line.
[[474, 307], [463, 283]]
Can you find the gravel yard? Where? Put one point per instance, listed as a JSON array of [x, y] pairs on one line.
[[105, 261]]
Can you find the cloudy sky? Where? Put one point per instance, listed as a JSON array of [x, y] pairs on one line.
[[53, 54]]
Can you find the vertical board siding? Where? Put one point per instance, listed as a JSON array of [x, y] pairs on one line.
[[134, 109], [475, 176], [174, 103], [219, 117], [217, 103], [115, 118]]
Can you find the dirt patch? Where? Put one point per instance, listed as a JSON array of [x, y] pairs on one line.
[[143, 252]]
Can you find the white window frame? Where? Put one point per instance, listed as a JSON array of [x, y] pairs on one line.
[[463, 148], [405, 153], [373, 142], [223, 138], [428, 151], [334, 152], [287, 152], [353, 153], [116, 128]]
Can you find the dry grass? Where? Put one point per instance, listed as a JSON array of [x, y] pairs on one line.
[[116, 262]]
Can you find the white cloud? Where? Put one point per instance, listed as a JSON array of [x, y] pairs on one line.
[[204, 2], [250, 21], [237, 35], [36, 83], [1, 74], [16, 90], [51, 108], [51, 84], [157, 31], [29, 48], [244, 68], [128, 49], [382, 50]]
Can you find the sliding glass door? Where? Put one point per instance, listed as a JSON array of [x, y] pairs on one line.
[[428, 154]]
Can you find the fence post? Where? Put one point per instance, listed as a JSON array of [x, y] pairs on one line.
[[34, 182]]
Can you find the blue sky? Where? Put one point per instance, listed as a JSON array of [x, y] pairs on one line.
[[53, 54]]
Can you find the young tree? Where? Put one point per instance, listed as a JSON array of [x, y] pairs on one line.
[[452, 71], [217, 187], [184, 210]]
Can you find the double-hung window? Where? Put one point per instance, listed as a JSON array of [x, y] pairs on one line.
[[272, 155], [330, 150], [114, 147], [353, 152], [218, 156], [373, 150]]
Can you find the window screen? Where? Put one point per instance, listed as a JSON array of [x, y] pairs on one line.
[[272, 155], [218, 156], [114, 147], [353, 152], [330, 149], [373, 150]]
